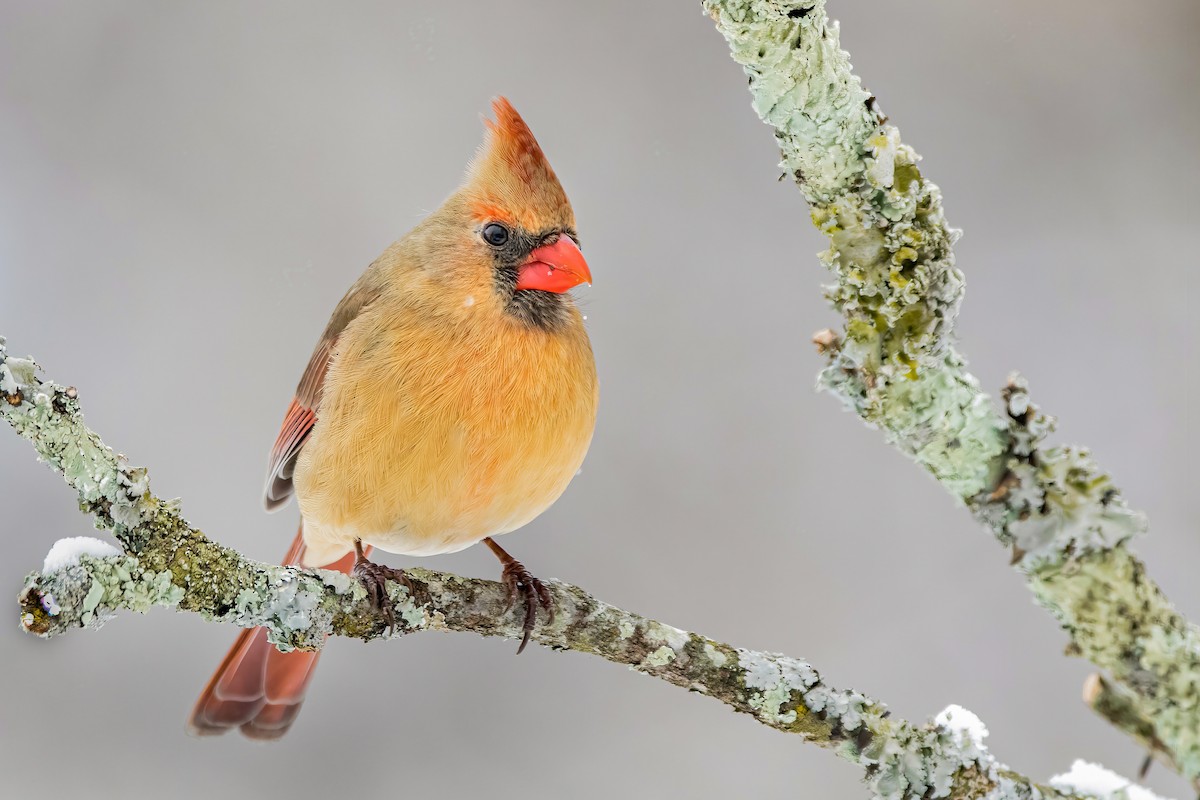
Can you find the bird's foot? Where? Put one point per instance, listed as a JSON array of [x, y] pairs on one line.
[[521, 583], [374, 579]]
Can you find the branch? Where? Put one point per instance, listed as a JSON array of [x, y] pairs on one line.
[[167, 562], [1114, 704], [896, 367]]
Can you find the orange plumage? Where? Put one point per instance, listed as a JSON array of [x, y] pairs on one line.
[[451, 399]]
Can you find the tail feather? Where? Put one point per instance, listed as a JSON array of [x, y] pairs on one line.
[[257, 688], [287, 676], [241, 674], [272, 722]]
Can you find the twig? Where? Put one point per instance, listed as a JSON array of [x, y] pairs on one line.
[[896, 367], [1114, 704]]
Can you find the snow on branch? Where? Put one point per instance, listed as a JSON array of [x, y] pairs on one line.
[[895, 366], [1096, 780], [164, 561]]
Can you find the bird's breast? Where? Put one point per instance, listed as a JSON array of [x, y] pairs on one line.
[[432, 436]]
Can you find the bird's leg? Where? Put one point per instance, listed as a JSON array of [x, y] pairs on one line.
[[520, 581], [374, 578]]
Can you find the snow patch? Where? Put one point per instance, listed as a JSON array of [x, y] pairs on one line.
[[66, 552], [1088, 778], [675, 638], [964, 725]]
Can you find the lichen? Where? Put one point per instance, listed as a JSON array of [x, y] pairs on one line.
[[825, 114], [782, 690], [890, 246], [1053, 501], [90, 591], [944, 759], [940, 419], [660, 657], [1080, 509], [895, 365], [1121, 622], [715, 656], [48, 415]]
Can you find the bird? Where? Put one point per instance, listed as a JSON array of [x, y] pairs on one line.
[[451, 398]]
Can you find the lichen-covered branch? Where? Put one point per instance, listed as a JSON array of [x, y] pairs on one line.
[[1115, 705], [166, 562], [896, 367]]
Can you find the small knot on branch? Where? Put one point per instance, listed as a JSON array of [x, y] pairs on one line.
[[826, 341]]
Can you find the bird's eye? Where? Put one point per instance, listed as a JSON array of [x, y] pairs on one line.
[[495, 234]]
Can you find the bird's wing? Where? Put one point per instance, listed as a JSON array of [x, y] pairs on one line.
[[302, 412]]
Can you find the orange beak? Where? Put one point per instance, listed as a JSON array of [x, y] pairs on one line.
[[554, 267]]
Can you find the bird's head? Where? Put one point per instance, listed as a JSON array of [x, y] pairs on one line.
[[519, 223]]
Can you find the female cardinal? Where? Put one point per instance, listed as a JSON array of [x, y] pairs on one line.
[[450, 399]]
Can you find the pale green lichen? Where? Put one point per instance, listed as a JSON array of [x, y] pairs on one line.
[[412, 613], [91, 601], [89, 592], [1053, 501], [1068, 525], [802, 86], [941, 419], [1079, 507], [895, 365], [890, 246], [298, 611], [103, 479], [901, 761], [660, 657], [1121, 622]]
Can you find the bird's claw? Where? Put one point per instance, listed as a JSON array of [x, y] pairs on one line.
[[374, 579], [522, 583]]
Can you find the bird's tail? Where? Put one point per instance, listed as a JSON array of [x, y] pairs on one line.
[[257, 688]]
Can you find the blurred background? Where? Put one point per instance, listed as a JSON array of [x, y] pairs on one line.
[[188, 188]]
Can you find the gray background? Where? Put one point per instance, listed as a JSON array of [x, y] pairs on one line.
[[188, 188]]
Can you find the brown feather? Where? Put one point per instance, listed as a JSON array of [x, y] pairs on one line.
[[257, 688], [301, 413]]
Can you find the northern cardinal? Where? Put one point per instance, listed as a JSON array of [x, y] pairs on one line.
[[451, 398]]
